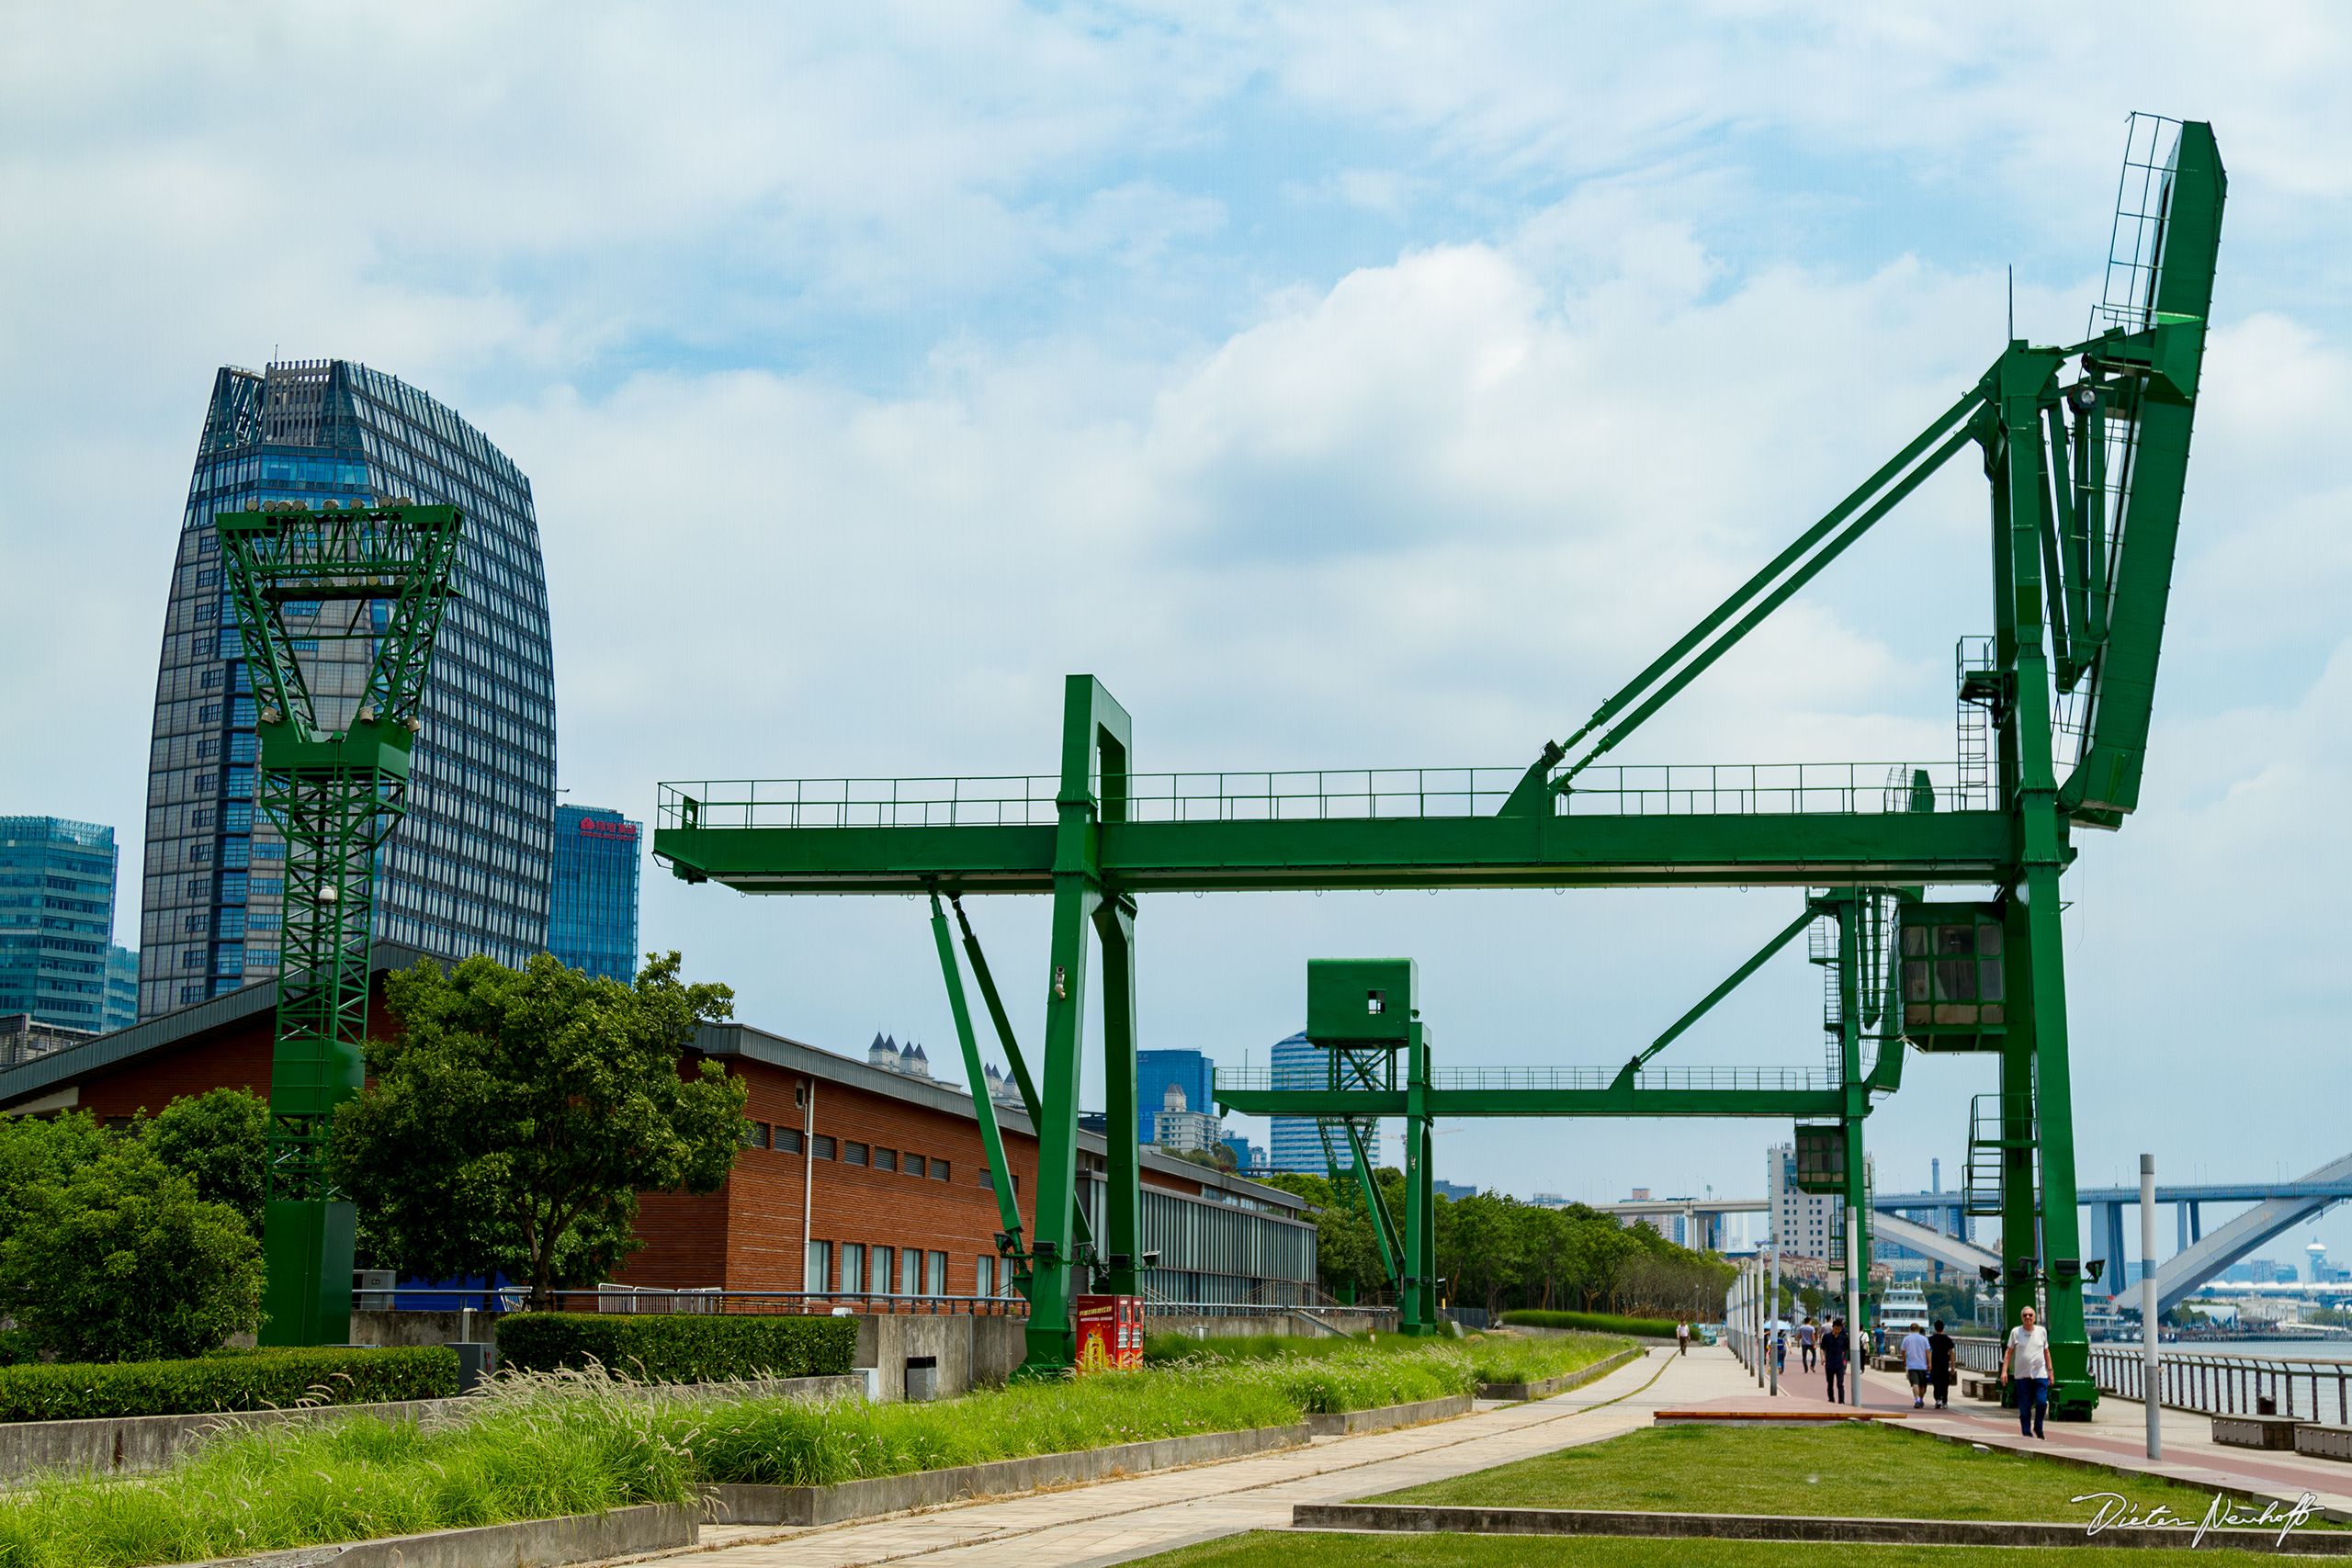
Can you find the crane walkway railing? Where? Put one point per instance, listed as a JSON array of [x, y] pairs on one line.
[[1357, 794], [1313, 1077]]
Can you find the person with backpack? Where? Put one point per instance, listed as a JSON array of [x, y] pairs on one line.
[[1833, 1360]]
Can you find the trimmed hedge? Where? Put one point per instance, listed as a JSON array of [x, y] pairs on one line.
[[1594, 1322], [71, 1391], [679, 1348]]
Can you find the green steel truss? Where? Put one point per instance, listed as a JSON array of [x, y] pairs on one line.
[[335, 795], [2085, 474]]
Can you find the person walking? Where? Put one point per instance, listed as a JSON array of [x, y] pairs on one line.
[[2025, 1360], [1804, 1344], [1833, 1360], [1780, 1352], [1683, 1337], [1940, 1347], [1916, 1352]]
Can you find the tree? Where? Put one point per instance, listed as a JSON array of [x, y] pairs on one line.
[[218, 1140], [38, 1153], [513, 1121], [123, 1261]]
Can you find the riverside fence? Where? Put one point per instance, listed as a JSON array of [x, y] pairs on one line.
[[2211, 1385]]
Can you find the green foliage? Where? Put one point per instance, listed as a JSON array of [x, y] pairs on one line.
[[123, 1261], [1592, 1322], [37, 1153], [65, 1390], [678, 1347], [218, 1140], [1490, 1359], [1502, 1253], [511, 1125]]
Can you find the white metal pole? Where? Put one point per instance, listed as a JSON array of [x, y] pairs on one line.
[[1855, 1263], [1772, 1335], [807, 1178], [2148, 1371]]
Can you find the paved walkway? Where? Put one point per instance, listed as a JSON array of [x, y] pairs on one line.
[[1114, 1521], [2116, 1434]]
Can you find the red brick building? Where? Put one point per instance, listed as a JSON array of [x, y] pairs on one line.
[[856, 1180]]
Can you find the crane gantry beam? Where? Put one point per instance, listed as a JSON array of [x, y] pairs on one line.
[[2084, 477]]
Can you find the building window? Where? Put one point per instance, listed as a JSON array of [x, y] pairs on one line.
[[820, 1274], [787, 1140], [208, 747], [191, 958], [190, 995], [194, 924], [883, 1257], [852, 1268], [910, 1271], [201, 817], [914, 1165], [983, 1267], [852, 1154], [939, 1173], [934, 1274], [756, 1134], [824, 1146], [886, 1159], [212, 681]]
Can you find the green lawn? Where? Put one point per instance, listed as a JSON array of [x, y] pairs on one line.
[[1304, 1550], [1857, 1470]]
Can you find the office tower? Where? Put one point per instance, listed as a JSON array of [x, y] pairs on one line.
[[1156, 1071], [468, 869], [1295, 1143], [591, 923], [123, 987], [56, 919]]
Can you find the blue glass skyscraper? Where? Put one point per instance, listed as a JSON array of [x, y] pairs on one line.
[[468, 870], [593, 922], [56, 919], [1294, 1144], [1155, 1070]]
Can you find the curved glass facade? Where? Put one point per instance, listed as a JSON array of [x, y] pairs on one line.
[[469, 867]]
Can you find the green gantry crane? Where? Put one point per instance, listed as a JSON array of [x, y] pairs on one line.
[[2085, 450], [335, 795]]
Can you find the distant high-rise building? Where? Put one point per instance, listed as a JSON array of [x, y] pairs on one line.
[[1247, 1156], [1156, 1071], [1453, 1191], [1180, 1127], [592, 922], [123, 987], [56, 920], [1813, 1223], [1295, 1144], [468, 869]]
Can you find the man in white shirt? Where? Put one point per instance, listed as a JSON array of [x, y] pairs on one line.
[[1915, 1366], [2027, 1360]]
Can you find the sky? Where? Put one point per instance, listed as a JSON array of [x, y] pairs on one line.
[[1374, 385]]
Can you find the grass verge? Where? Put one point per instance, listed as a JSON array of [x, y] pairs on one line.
[[1333, 1375], [547, 1444], [1863, 1470], [1287, 1549]]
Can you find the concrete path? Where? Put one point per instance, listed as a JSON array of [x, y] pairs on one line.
[[1113, 1521], [2117, 1436]]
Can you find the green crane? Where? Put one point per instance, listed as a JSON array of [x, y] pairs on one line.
[[335, 788], [2086, 476]]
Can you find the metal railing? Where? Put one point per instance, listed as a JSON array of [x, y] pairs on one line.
[[2230, 1385], [1313, 1076], [1357, 794], [2211, 1385]]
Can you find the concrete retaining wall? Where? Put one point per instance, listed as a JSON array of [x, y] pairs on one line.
[[1561, 1384], [1213, 1326], [923, 1489], [1347, 1423], [121, 1444], [971, 1352], [532, 1543]]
